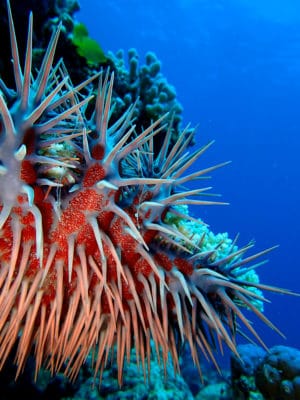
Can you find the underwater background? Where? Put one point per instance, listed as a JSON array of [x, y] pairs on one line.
[[235, 65]]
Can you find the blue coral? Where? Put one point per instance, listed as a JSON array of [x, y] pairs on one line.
[[273, 375]]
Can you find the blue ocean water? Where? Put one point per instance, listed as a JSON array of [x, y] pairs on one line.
[[236, 68]]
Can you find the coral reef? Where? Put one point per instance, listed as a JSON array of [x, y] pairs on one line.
[[147, 86], [212, 384], [50, 14], [87, 47], [243, 370], [97, 253], [43, 387], [219, 245], [278, 376], [82, 56], [160, 385], [272, 375], [215, 391]]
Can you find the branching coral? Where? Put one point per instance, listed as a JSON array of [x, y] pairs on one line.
[[146, 85]]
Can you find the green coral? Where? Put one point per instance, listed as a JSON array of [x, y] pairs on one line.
[[200, 234], [219, 245], [86, 46]]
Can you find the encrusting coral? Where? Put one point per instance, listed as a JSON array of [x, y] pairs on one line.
[[89, 259], [271, 375]]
